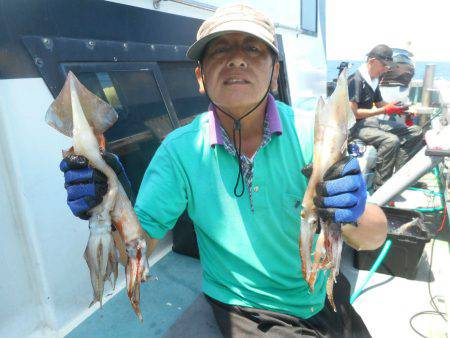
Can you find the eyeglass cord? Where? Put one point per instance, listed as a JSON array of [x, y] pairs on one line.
[[237, 129]]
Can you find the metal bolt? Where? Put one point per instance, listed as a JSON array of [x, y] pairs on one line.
[[38, 61], [115, 58], [175, 48], [125, 46], [91, 44], [152, 47], [47, 43], [156, 3]]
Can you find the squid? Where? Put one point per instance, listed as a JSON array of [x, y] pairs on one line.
[[333, 120], [81, 115]]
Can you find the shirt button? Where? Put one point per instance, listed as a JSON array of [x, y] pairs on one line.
[[312, 309], [256, 189]]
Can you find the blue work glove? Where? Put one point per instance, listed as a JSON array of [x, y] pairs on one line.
[[86, 186], [342, 195]]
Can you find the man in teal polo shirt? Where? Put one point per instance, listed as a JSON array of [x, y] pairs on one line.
[[237, 170]]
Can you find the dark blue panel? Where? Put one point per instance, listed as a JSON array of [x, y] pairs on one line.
[[82, 19]]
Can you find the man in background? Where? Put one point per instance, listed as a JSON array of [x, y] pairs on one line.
[[395, 143]]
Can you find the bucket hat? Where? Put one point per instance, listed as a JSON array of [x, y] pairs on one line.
[[235, 18]]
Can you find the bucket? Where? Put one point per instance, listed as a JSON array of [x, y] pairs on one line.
[[408, 234]]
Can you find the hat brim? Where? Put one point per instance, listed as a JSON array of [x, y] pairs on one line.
[[196, 50]]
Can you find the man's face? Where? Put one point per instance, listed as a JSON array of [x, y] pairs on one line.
[[236, 69], [380, 66]]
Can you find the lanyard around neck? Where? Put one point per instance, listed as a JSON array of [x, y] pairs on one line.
[[237, 130]]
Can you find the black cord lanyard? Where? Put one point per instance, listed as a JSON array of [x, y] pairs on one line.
[[237, 128]]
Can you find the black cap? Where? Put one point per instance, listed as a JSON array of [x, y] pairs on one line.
[[382, 53]]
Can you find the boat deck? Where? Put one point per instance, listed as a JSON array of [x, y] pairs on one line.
[[163, 301], [389, 303]]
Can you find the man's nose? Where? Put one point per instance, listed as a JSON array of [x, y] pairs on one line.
[[237, 59]]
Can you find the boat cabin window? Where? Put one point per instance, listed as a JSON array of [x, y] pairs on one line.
[[140, 102], [183, 90], [147, 109], [136, 98], [308, 17]]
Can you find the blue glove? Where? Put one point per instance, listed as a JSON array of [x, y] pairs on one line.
[[342, 195], [86, 186]]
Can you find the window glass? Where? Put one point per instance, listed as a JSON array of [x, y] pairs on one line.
[[143, 119], [309, 16], [181, 83]]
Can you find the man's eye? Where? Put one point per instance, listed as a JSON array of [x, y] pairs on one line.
[[252, 48], [220, 49]]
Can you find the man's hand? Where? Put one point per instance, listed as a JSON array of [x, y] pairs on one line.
[[342, 195], [86, 186], [395, 108]]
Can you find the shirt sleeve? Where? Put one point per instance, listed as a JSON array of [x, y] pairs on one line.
[[162, 196], [377, 97]]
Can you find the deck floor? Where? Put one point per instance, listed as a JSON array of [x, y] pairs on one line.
[[163, 301], [390, 302]]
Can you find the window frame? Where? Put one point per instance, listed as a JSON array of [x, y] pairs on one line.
[[152, 67], [283, 81], [308, 31]]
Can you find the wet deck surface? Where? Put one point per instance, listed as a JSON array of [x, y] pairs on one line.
[[163, 301], [390, 303]]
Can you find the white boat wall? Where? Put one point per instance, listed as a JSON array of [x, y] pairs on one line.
[[45, 289]]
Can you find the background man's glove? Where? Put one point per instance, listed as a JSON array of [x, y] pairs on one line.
[[395, 108], [86, 186], [342, 195]]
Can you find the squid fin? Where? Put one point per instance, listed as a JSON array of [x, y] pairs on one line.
[[100, 115]]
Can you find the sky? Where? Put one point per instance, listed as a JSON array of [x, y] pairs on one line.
[[355, 26]]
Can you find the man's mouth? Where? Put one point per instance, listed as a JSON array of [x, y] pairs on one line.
[[238, 81]]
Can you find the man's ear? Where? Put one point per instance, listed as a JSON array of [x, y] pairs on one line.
[[274, 80], [198, 74]]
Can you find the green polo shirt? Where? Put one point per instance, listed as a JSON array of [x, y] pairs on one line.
[[248, 258]]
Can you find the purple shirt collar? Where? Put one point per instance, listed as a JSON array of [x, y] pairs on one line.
[[272, 116]]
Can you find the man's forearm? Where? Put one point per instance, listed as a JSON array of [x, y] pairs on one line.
[[371, 231], [361, 113], [365, 113]]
